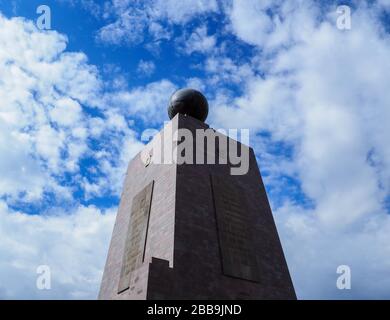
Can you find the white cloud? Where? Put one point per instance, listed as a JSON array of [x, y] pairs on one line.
[[249, 20], [321, 250], [132, 19], [146, 68], [273, 24], [199, 41], [66, 112], [384, 3], [149, 102], [74, 245], [18, 170], [42, 86], [224, 70], [196, 83], [114, 158], [183, 11]]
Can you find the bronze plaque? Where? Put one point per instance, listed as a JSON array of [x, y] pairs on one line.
[[235, 233], [133, 255]]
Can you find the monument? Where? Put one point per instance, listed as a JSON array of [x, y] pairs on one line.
[[188, 228]]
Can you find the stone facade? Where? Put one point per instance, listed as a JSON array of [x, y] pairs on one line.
[[208, 234]]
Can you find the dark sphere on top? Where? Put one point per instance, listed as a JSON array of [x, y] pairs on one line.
[[189, 102]]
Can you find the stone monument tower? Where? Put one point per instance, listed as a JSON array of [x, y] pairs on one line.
[[190, 228]]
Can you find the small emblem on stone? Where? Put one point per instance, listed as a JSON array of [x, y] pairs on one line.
[[148, 160]]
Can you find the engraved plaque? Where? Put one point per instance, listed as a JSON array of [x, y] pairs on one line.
[[133, 255], [234, 230]]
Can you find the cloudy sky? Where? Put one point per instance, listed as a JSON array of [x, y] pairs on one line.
[[75, 99]]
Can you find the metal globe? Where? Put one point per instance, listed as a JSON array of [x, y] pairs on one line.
[[188, 102]]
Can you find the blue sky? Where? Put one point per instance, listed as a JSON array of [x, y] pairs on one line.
[[76, 99]]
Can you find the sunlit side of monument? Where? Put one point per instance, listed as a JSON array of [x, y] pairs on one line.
[[194, 220]]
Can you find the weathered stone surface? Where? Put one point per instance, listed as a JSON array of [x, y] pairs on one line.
[[133, 255], [188, 253], [235, 232]]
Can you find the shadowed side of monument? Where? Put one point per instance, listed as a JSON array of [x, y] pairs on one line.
[[194, 230], [226, 245]]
